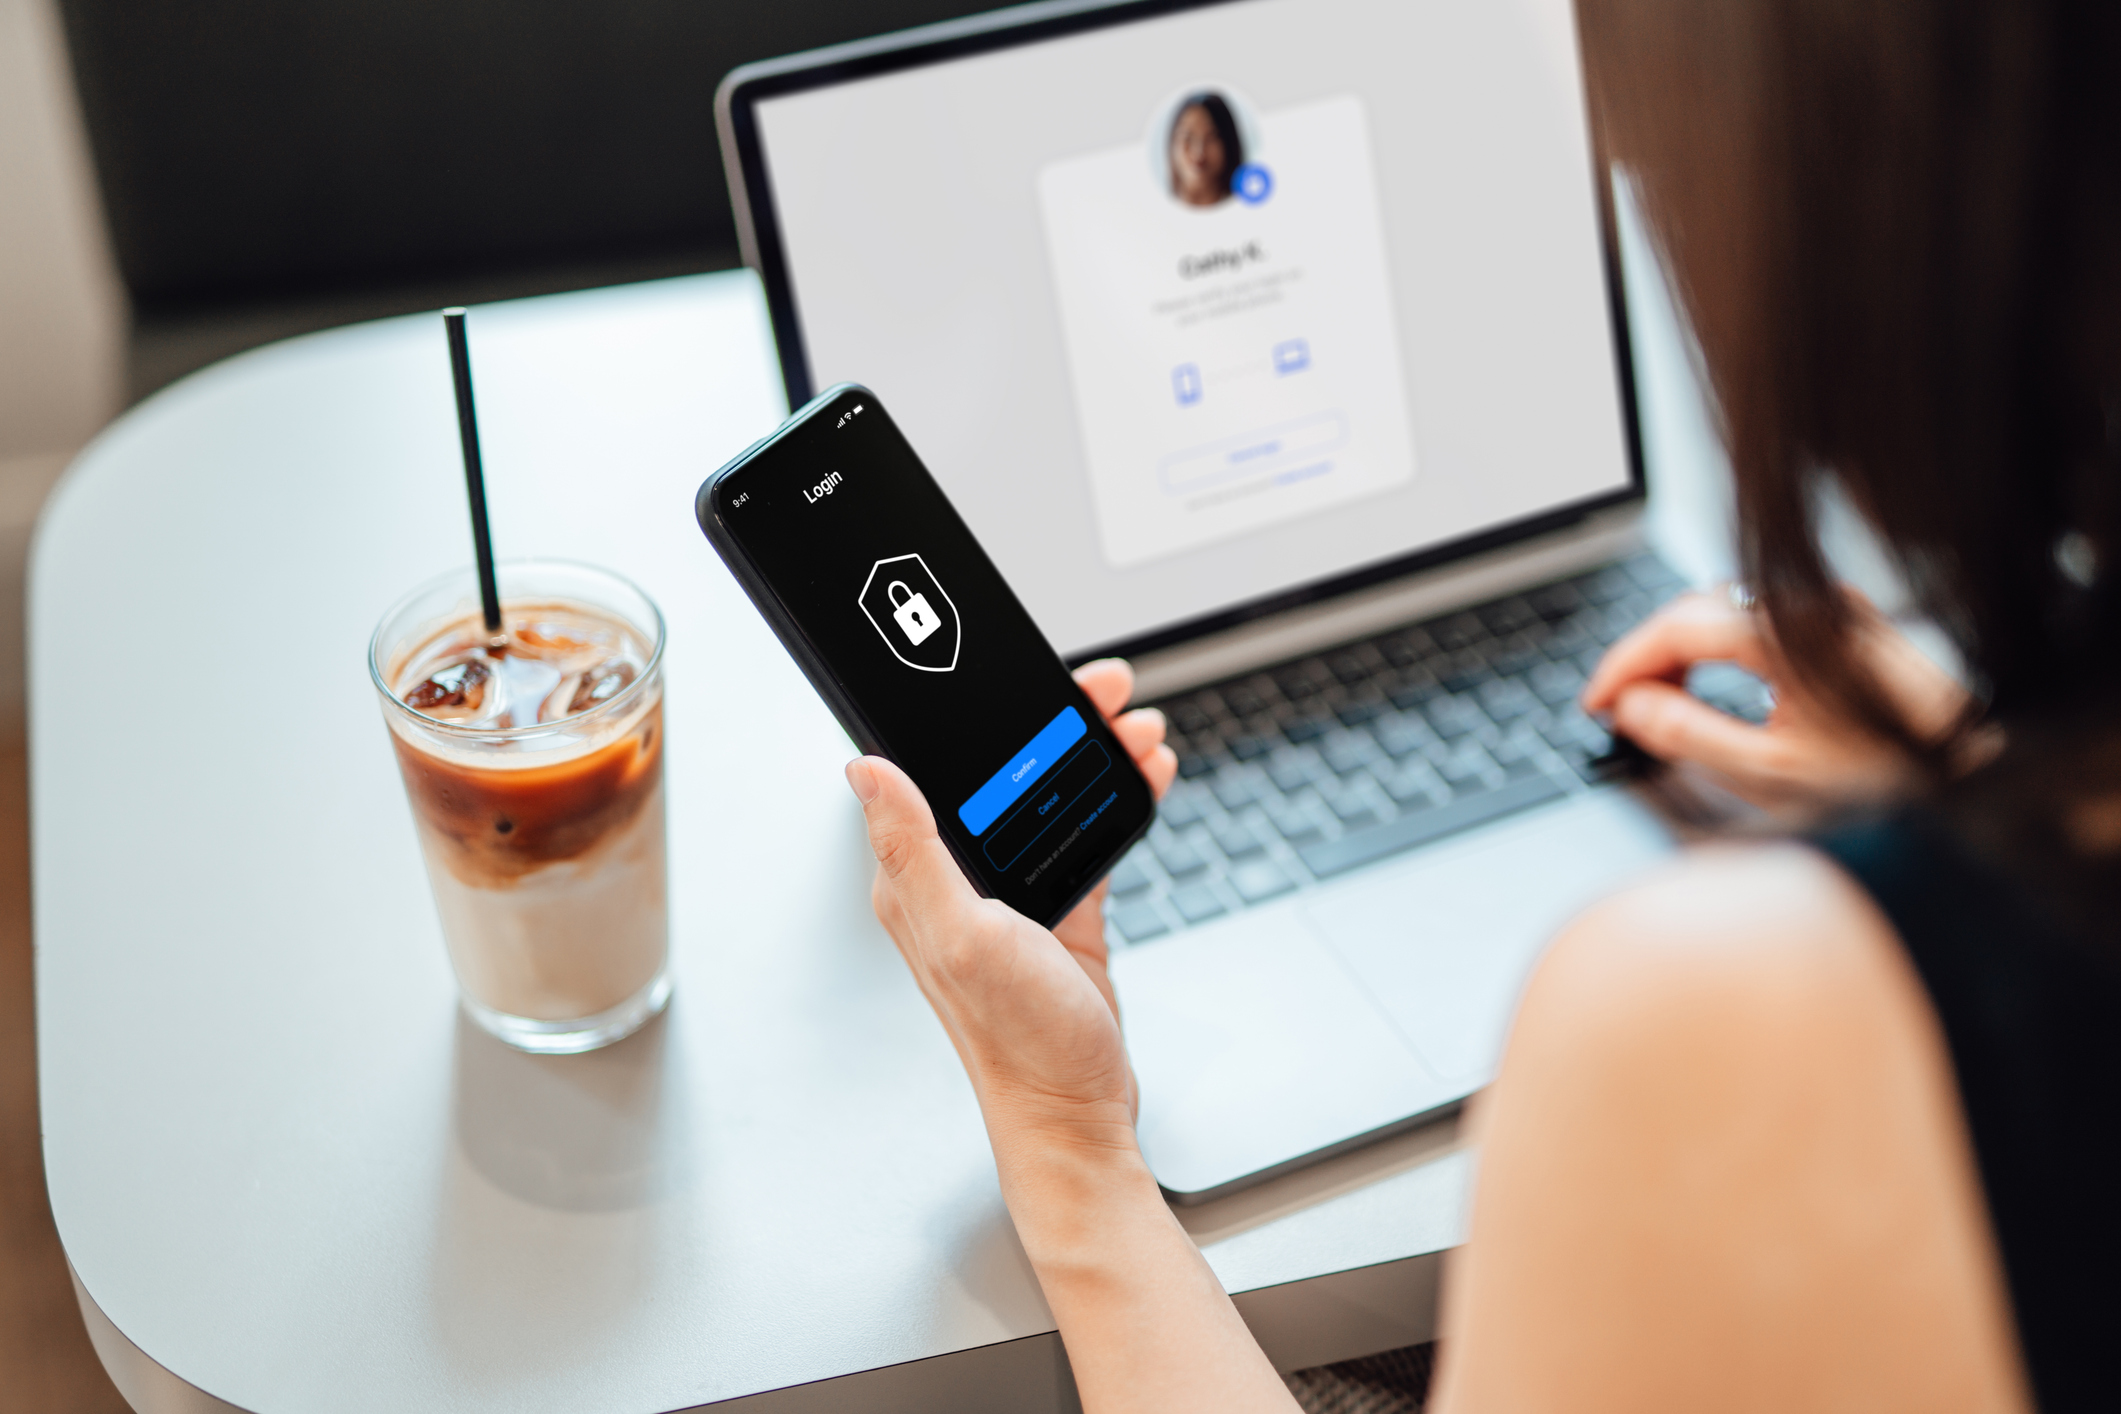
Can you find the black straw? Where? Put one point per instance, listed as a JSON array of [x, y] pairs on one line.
[[474, 471]]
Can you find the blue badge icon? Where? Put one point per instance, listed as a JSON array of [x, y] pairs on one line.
[[1252, 183], [1185, 382]]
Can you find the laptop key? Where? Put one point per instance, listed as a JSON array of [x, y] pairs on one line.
[[1292, 823], [1260, 880], [1555, 683], [1178, 858], [1303, 729], [1556, 601], [1292, 771], [1414, 692], [1234, 790], [1409, 790], [1138, 922], [1602, 587], [1405, 648], [1233, 839], [1190, 719], [1506, 699], [1355, 713], [1352, 807], [1180, 808], [1128, 877], [1505, 616], [1458, 631], [1348, 668], [1565, 642], [1301, 680], [1197, 903], [1509, 662], [1326, 858], [1653, 574], [1399, 735], [1632, 609], [1569, 726], [1454, 717], [1465, 770], [1348, 753]]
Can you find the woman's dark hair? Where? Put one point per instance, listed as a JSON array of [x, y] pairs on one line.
[[1896, 225], [1224, 121]]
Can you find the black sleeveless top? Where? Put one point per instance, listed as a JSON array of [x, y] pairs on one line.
[[2033, 1019]]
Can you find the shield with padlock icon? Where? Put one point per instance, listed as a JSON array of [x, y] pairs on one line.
[[912, 613]]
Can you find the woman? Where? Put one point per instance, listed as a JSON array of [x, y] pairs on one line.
[[1204, 149], [1823, 1123]]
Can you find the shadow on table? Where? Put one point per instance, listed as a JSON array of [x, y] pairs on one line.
[[554, 1211], [575, 1133]]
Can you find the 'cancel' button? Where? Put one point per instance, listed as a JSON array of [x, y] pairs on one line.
[[1063, 786]]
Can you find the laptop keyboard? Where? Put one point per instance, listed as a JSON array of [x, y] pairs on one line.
[[1303, 771]]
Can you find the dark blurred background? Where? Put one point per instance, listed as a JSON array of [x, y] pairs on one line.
[[273, 166]]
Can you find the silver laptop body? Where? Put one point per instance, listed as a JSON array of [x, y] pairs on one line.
[[1367, 600]]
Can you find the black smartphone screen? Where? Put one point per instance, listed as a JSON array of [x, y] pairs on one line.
[[856, 557]]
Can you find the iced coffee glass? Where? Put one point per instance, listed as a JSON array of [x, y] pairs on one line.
[[533, 761]]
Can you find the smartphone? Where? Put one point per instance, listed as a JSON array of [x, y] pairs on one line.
[[883, 597]]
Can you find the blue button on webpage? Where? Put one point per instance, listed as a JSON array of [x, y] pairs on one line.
[[1007, 785]]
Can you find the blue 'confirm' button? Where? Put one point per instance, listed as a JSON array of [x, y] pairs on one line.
[[1005, 786]]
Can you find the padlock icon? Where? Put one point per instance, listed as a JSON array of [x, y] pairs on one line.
[[914, 616]]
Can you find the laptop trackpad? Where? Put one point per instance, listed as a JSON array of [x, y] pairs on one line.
[[1254, 1046], [1444, 939]]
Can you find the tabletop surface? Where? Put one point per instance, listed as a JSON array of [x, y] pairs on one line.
[[280, 1161]]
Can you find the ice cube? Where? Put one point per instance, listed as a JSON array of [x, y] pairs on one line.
[[602, 683], [524, 684], [551, 641], [457, 690], [580, 691]]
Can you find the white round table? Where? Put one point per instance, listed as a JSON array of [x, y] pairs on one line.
[[289, 1176]]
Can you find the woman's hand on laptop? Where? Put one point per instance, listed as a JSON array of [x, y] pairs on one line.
[[1808, 756]]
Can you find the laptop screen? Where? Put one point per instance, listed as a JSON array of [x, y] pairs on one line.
[[1194, 311]]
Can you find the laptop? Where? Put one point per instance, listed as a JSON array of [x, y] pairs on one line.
[[1278, 345]]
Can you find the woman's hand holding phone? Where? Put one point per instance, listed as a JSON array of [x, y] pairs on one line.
[[1031, 1012], [1034, 1020]]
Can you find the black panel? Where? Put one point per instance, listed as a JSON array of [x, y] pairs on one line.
[[264, 148]]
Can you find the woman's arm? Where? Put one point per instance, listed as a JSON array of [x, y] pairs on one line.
[[1724, 1168], [1147, 1325], [1032, 1014]]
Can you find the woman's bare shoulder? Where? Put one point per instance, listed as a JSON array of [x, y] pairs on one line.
[[1751, 1005], [1750, 935], [1724, 1154]]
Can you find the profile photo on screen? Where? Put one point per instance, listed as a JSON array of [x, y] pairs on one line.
[[1205, 149]]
